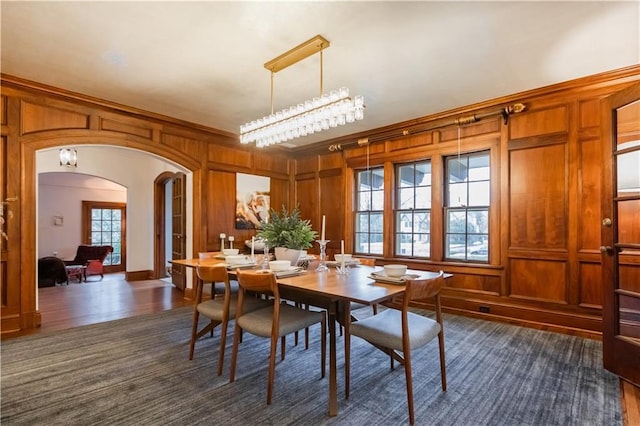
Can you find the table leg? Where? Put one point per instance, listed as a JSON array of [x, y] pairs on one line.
[[347, 347], [333, 381]]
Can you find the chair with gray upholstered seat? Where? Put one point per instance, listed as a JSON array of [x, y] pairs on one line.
[[219, 309], [273, 322], [398, 330]]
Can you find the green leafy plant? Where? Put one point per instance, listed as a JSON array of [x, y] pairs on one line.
[[287, 229]]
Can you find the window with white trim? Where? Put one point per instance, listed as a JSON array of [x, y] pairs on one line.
[[369, 218], [467, 199], [413, 209]]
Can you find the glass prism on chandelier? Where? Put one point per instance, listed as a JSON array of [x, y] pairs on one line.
[[330, 110]]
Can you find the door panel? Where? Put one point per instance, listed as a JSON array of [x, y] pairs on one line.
[[621, 233], [179, 224]]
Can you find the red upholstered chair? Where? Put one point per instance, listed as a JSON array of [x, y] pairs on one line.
[[92, 257]]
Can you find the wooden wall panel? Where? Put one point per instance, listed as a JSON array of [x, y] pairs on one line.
[[411, 141], [307, 165], [3, 110], [229, 156], [481, 128], [590, 285], [331, 161], [332, 206], [539, 279], [274, 163], [131, 129], [38, 118], [589, 112], [538, 198], [536, 123], [181, 143], [477, 283], [220, 196], [307, 200], [590, 216]]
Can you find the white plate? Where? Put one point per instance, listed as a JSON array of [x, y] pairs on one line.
[[384, 278], [241, 266], [352, 262]]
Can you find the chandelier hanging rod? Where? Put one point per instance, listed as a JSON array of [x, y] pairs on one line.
[[303, 50]]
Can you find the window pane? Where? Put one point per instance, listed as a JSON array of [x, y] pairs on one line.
[[362, 222], [370, 205], [376, 222], [412, 214], [479, 168], [405, 198], [457, 169], [423, 174], [423, 197], [406, 176], [478, 221], [377, 200], [467, 188], [456, 221], [479, 193], [422, 222], [455, 246], [106, 214], [457, 194]]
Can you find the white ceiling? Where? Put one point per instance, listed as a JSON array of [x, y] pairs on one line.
[[203, 61]]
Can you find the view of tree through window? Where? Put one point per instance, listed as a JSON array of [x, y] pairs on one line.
[[106, 229], [467, 190], [413, 209], [369, 211]]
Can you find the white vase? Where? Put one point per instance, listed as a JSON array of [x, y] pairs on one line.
[[283, 253]]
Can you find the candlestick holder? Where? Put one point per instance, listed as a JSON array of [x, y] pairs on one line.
[[322, 266], [265, 257], [342, 270]]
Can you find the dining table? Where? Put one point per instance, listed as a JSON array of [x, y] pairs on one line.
[[334, 292]]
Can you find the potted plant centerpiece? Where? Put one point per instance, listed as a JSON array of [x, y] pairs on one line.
[[288, 233]]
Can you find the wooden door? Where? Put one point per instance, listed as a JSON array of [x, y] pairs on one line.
[[621, 233], [105, 223], [178, 225]]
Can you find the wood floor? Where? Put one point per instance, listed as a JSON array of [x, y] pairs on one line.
[[114, 298]]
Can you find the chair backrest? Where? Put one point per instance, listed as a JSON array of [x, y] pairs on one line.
[[366, 261], [258, 281], [419, 289], [212, 274], [86, 253]]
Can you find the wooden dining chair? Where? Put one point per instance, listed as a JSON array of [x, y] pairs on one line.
[[219, 309], [273, 322], [394, 330]]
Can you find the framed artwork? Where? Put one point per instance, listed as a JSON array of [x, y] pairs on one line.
[[252, 201]]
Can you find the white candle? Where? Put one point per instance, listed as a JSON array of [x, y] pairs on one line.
[[342, 252], [223, 236], [323, 222], [231, 240], [253, 241]]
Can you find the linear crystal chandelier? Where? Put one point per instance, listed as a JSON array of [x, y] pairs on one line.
[[329, 110]]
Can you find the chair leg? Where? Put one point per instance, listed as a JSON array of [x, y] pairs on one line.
[[234, 352], [272, 368], [443, 368], [194, 330], [223, 339], [347, 357], [407, 372], [283, 345], [323, 342]]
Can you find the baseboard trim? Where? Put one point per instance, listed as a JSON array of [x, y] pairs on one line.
[[138, 275]]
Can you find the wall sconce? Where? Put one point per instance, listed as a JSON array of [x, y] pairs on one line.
[[69, 157]]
